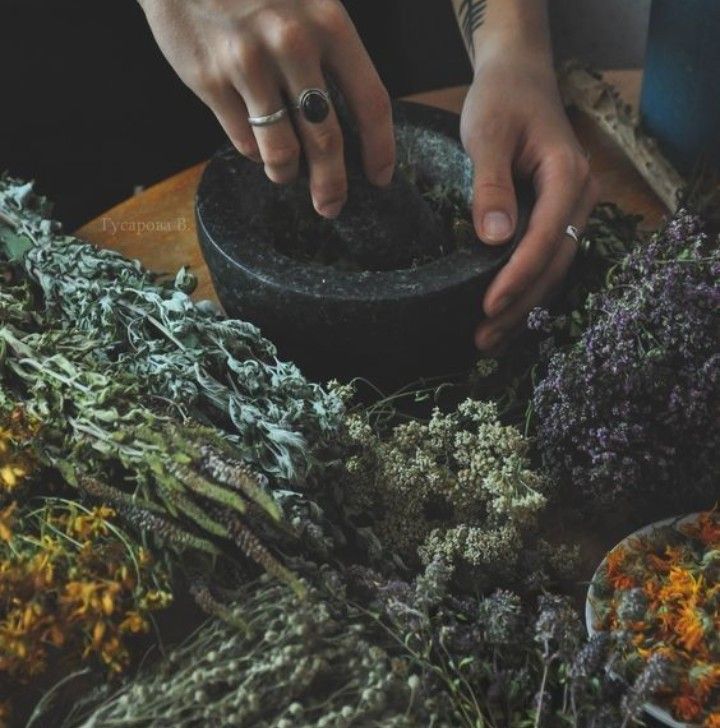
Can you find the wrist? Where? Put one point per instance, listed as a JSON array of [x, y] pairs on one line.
[[509, 51], [515, 29]]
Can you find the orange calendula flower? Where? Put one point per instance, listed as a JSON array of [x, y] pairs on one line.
[[682, 612], [706, 529], [615, 574], [686, 706], [680, 585], [689, 628]]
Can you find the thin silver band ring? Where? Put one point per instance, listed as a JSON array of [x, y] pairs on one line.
[[583, 242], [268, 119], [572, 232]]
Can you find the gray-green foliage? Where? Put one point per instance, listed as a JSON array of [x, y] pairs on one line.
[[298, 663], [220, 371], [184, 478], [148, 401], [368, 651]]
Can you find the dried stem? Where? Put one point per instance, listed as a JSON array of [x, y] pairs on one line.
[[587, 91], [8, 220]]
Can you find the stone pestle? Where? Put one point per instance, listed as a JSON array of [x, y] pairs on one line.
[[386, 228]]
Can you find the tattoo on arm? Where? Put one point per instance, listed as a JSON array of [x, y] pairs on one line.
[[470, 15]]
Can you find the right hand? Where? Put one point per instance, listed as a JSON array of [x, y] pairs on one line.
[[244, 57]]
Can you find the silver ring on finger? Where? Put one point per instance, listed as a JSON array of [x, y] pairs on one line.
[[268, 119], [314, 105], [583, 242], [572, 232]]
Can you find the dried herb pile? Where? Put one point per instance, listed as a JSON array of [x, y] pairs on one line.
[[388, 532], [458, 487], [660, 593], [630, 409], [75, 588], [155, 405], [219, 371], [415, 655]]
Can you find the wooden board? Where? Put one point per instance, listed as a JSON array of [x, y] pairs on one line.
[[157, 226]]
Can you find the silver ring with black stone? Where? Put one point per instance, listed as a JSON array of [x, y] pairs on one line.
[[314, 105]]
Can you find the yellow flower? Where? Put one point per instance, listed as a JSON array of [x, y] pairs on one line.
[[6, 521], [114, 655], [133, 623], [93, 523], [98, 633], [12, 475], [144, 557], [155, 599]]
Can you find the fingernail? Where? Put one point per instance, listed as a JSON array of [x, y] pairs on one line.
[[497, 226], [331, 209], [500, 306], [384, 177]]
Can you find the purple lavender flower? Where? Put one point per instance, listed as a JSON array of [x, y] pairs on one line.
[[633, 406], [539, 319]]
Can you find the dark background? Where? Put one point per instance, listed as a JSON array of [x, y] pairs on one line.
[[90, 108]]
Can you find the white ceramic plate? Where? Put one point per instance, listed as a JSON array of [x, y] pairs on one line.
[[591, 617]]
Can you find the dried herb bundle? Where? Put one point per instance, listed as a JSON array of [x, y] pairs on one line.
[[74, 586], [629, 409], [219, 371], [97, 431], [460, 487], [363, 650], [297, 664], [114, 365]]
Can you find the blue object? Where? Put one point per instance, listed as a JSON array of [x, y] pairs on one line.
[[680, 103]]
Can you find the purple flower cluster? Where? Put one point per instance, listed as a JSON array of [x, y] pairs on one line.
[[539, 319], [632, 407]]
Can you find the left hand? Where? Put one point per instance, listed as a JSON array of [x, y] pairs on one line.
[[514, 124]]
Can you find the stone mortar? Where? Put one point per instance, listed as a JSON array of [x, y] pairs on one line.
[[396, 304]]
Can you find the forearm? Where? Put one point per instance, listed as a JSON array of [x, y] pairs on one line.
[[488, 24]]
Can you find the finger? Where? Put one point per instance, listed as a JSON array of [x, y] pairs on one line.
[[491, 149], [559, 181], [257, 82], [368, 101], [232, 113], [322, 142], [495, 331]]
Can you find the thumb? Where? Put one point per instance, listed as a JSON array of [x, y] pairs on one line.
[[494, 203]]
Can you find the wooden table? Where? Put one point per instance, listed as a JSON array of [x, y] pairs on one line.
[[157, 226]]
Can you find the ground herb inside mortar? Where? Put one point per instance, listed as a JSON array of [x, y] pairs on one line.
[[301, 234]]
